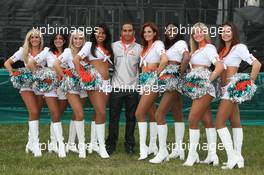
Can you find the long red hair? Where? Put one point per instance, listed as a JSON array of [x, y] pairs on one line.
[[155, 29], [235, 38]]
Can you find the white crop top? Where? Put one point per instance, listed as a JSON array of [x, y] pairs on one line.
[[100, 55], [238, 53], [153, 54], [66, 59], [205, 56], [45, 56], [18, 56], [176, 51]]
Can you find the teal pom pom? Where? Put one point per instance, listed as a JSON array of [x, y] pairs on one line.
[[197, 83], [22, 78], [70, 81], [45, 80], [241, 88], [90, 78]]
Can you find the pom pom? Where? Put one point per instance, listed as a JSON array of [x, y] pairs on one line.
[[70, 81], [241, 88], [197, 83], [22, 78], [45, 80], [148, 81], [90, 78], [148, 78]]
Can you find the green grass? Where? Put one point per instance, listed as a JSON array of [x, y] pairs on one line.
[[13, 159]]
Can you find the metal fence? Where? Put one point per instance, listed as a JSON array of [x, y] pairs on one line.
[[18, 16]]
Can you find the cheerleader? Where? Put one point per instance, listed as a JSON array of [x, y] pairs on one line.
[[153, 61], [58, 43], [75, 97], [236, 88], [62, 63], [199, 87], [33, 45], [178, 56], [95, 77]]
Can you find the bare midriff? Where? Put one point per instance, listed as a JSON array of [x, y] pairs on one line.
[[199, 65], [174, 62], [101, 67], [150, 67], [227, 74]]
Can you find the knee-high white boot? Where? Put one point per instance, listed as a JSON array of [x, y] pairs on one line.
[[71, 145], [100, 131], [52, 146], [143, 126], [79, 125], [29, 146], [93, 146], [34, 132], [212, 157], [59, 137], [233, 158], [177, 150], [163, 154], [153, 129], [238, 141], [193, 156]]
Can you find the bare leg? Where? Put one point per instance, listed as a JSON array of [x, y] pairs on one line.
[[207, 118], [235, 117], [31, 102], [98, 100], [151, 113], [53, 106], [77, 107], [199, 107], [225, 109], [145, 104], [177, 107]]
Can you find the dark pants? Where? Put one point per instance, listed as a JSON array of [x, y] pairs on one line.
[[117, 99]]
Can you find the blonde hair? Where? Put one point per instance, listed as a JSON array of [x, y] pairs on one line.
[[27, 47], [193, 43], [73, 34]]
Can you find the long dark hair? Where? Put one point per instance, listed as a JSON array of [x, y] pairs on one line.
[[53, 48], [154, 28], [106, 42], [235, 37], [169, 42]]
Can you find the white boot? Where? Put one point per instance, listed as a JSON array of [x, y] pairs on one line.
[[212, 157], [79, 125], [93, 146], [163, 154], [71, 145], [177, 150], [59, 137], [100, 131], [193, 156], [143, 126], [29, 146], [233, 158], [238, 141], [153, 129], [34, 132], [52, 146]]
